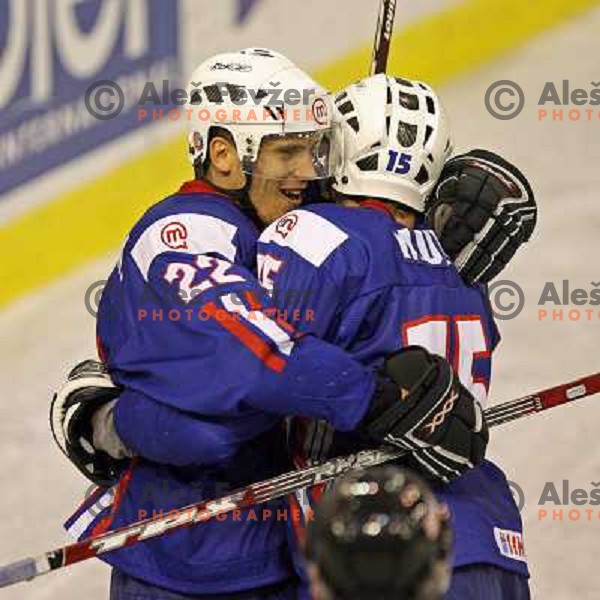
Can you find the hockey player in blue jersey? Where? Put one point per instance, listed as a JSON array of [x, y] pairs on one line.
[[205, 375], [376, 277]]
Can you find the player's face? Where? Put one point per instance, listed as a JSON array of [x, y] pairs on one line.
[[281, 174]]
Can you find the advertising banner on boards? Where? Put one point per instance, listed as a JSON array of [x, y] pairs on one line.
[[66, 70]]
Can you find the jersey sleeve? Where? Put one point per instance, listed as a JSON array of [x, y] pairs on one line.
[[304, 264], [198, 333], [494, 333], [316, 279], [155, 431]]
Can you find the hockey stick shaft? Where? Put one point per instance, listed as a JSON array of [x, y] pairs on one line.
[[543, 400], [271, 489], [383, 36]]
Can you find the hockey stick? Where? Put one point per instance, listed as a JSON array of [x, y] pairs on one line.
[[383, 36], [271, 489]]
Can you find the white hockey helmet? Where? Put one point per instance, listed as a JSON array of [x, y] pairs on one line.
[[396, 139], [257, 94]]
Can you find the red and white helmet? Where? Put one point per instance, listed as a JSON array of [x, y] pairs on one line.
[[256, 94], [395, 138]]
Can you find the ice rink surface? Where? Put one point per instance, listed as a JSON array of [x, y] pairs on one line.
[[47, 333]]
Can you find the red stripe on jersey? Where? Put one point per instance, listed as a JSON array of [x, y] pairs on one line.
[[377, 205], [253, 301], [287, 327], [92, 498], [101, 350], [251, 340], [256, 305], [104, 525], [317, 491], [275, 315], [197, 186], [200, 186], [297, 518]]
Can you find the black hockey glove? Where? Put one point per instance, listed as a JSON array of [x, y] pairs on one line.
[[435, 418], [88, 389], [482, 210]]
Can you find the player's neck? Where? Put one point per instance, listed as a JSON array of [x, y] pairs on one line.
[[391, 209]]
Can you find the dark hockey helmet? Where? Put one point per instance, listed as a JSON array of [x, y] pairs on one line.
[[381, 534]]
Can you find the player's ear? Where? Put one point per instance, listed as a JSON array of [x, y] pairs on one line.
[[225, 168], [223, 155]]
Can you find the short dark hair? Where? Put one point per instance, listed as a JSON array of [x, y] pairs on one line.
[[201, 167]]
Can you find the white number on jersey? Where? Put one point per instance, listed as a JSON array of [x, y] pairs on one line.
[[434, 333], [186, 273]]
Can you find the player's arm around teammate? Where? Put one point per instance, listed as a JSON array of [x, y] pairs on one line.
[[228, 364]]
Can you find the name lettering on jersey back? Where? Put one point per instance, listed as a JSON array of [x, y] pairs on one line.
[[421, 245]]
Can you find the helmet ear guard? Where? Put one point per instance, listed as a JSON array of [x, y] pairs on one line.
[[396, 140]]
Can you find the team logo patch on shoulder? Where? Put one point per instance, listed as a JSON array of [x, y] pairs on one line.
[[286, 224], [174, 235], [510, 544], [314, 239]]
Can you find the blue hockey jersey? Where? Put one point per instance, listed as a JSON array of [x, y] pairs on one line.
[[207, 375], [356, 278]]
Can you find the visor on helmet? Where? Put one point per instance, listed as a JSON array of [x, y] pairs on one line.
[[308, 155]]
